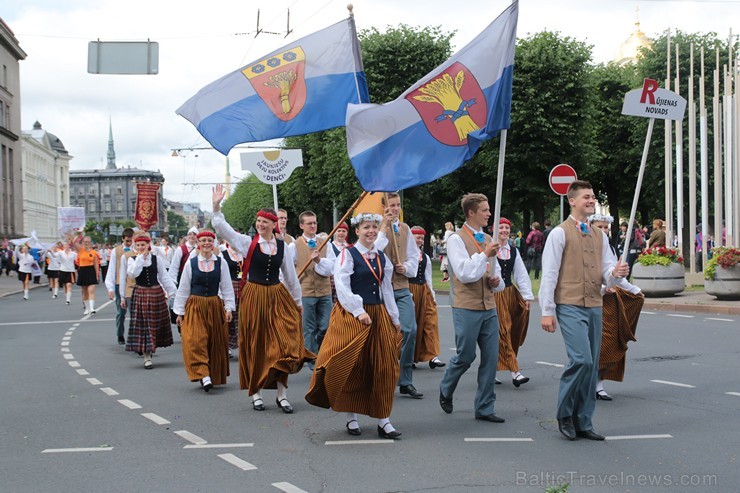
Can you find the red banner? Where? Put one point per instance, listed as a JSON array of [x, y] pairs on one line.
[[146, 205]]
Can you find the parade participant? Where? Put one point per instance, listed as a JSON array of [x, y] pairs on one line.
[[66, 258], [270, 335], [357, 367], [315, 284], [150, 326], [182, 254], [104, 252], [425, 306], [88, 273], [202, 316], [620, 314], [116, 276], [337, 246], [282, 216], [165, 252], [396, 241], [25, 268], [52, 269], [449, 230], [512, 304], [576, 262], [234, 260], [474, 279]]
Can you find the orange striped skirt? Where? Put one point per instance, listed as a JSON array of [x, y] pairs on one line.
[[270, 337], [204, 334], [621, 312], [357, 367], [513, 320], [427, 323]]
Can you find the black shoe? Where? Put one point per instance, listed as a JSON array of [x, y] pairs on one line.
[[601, 395], [518, 381], [353, 431], [207, 385], [121, 340], [589, 435], [498, 382], [436, 364], [445, 403], [492, 418], [258, 405], [391, 435], [287, 408], [566, 427], [410, 391]]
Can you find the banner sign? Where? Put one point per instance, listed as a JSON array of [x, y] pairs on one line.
[[146, 214], [652, 101], [272, 167], [70, 219]]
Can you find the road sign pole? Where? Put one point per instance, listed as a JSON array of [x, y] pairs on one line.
[[562, 206]]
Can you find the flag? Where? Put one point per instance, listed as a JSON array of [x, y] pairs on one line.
[[438, 123], [300, 88]]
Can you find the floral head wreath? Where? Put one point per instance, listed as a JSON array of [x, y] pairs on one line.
[[600, 218], [366, 216]]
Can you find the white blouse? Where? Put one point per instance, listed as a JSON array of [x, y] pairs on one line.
[[226, 289], [136, 265]]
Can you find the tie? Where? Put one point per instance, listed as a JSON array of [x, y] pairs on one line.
[[395, 228], [311, 243], [584, 227], [126, 249], [479, 237]]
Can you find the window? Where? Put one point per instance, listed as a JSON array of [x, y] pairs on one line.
[[91, 190], [5, 76], [91, 207], [106, 190], [107, 206], [119, 190], [81, 191], [119, 206]]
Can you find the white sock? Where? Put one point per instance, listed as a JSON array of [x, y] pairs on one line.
[[515, 374], [25, 293], [352, 423], [92, 305], [55, 291], [69, 295], [600, 386], [385, 423], [148, 357], [256, 396], [281, 394]]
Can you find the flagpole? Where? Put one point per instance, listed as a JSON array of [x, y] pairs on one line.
[[704, 166], [717, 127], [274, 197], [499, 183], [668, 160], [692, 165]]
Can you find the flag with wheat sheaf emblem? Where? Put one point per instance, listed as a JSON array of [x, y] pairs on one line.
[[300, 88], [439, 122]]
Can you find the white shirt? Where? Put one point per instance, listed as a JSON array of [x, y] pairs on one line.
[[136, 264], [343, 270], [25, 262], [115, 274], [66, 260], [325, 267], [428, 277], [470, 268], [412, 251], [104, 256], [165, 254], [53, 260], [226, 289], [552, 256], [626, 285], [174, 268], [519, 274]]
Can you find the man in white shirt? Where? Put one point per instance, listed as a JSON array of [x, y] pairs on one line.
[[182, 254], [117, 275]]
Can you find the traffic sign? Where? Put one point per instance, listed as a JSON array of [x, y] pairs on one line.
[[561, 176]]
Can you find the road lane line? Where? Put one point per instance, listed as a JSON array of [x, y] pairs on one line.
[[94, 381], [720, 319], [637, 437], [68, 355], [220, 445], [675, 384], [647, 313], [129, 404], [236, 461], [679, 316], [190, 437], [82, 372], [69, 332], [75, 325], [65, 343], [358, 442], [74, 364], [79, 449], [108, 391], [288, 488], [155, 418], [556, 365], [67, 338], [733, 393], [64, 349], [499, 440]]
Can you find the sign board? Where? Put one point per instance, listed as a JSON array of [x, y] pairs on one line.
[[652, 101], [123, 57], [561, 176], [70, 219], [272, 167]]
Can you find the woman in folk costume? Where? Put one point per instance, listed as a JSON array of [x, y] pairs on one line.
[[337, 246], [149, 326], [512, 304], [270, 330], [621, 312], [358, 363], [88, 273], [234, 260], [425, 305], [202, 315]]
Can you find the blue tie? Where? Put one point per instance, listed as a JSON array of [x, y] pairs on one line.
[[395, 228], [126, 249], [479, 237], [585, 229], [311, 243]]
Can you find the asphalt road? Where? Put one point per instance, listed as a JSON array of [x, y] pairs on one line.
[[66, 384]]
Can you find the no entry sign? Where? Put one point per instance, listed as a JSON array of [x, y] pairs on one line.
[[561, 176]]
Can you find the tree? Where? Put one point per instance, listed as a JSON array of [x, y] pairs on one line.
[[177, 225], [249, 197]]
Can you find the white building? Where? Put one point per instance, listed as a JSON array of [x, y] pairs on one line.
[[45, 164]]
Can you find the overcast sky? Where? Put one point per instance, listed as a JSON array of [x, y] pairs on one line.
[[202, 41]]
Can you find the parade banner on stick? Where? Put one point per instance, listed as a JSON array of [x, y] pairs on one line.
[[70, 219], [272, 167], [147, 213]]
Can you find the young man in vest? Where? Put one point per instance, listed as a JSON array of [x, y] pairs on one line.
[[575, 263], [182, 254], [397, 242], [315, 284], [282, 215], [475, 275], [115, 276]]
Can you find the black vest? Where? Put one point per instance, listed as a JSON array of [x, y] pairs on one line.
[[148, 276], [235, 268], [420, 274], [265, 269], [205, 283], [362, 281], [507, 266]]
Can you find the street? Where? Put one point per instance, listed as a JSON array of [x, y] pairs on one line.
[[80, 414]]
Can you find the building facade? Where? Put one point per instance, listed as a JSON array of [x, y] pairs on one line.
[[11, 175]]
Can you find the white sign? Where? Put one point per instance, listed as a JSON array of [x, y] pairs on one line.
[[272, 167], [70, 219], [652, 101]]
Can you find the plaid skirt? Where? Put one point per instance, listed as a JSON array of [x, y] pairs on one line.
[[234, 324], [149, 326]]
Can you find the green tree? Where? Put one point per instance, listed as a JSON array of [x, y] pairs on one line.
[[249, 196], [177, 225]]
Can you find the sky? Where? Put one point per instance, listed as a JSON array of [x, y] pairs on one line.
[[201, 41]]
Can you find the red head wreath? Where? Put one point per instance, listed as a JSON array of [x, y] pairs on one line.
[[503, 220], [418, 230], [272, 217], [206, 233]]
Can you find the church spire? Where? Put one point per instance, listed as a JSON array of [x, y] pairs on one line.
[[111, 151]]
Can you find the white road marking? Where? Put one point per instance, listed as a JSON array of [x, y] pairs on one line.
[[155, 418], [676, 384], [453, 349], [220, 445], [79, 449], [65, 349], [108, 391], [647, 313], [74, 364], [556, 365], [444, 306], [637, 437], [65, 343], [69, 332], [94, 381], [288, 488], [68, 338], [104, 305], [75, 325], [679, 316], [357, 442], [46, 322], [241, 464], [194, 439], [499, 440], [129, 404], [733, 393], [82, 372], [69, 355], [720, 319]]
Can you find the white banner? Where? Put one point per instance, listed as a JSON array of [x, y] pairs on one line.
[[652, 101], [70, 219], [272, 167]]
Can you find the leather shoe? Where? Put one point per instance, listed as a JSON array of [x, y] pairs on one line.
[[410, 391], [436, 364], [518, 381], [258, 405], [391, 435], [287, 408], [601, 395], [121, 340], [492, 418], [566, 427], [589, 435], [353, 431], [445, 403]]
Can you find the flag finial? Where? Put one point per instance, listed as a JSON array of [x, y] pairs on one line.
[[350, 7]]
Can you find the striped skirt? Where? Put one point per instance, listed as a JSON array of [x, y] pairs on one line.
[[513, 319], [234, 324], [204, 335], [427, 323], [270, 337], [149, 326], [357, 367], [621, 312]]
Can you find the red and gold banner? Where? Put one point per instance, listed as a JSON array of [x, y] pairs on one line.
[[146, 205]]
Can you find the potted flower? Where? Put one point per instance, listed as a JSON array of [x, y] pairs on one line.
[[722, 275], [659, 272]]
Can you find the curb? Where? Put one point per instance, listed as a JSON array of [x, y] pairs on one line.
[[20, 291]]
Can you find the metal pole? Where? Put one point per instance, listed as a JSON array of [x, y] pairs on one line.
[[704, 166], [717, 130], [679, 169], [692, 165], [668, 151], [274, 197], [499, 182], [729, 221]]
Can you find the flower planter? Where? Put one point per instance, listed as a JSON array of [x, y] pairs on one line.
[[726, 283], [657, 281]]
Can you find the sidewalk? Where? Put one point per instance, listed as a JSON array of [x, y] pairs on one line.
[[11, 285]]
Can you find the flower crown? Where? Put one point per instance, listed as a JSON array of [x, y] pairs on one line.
[[355, 221], [600, 218]]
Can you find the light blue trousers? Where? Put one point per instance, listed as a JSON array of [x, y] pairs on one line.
[[407, 317], [316, 313]]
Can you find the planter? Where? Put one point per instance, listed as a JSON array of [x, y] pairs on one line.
[[726, 283], [657, 281]]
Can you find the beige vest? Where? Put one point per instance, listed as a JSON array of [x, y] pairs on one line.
[[312, 284], [475, 295], [288, 239], [130, 281], [399, 281], [579, 280]]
